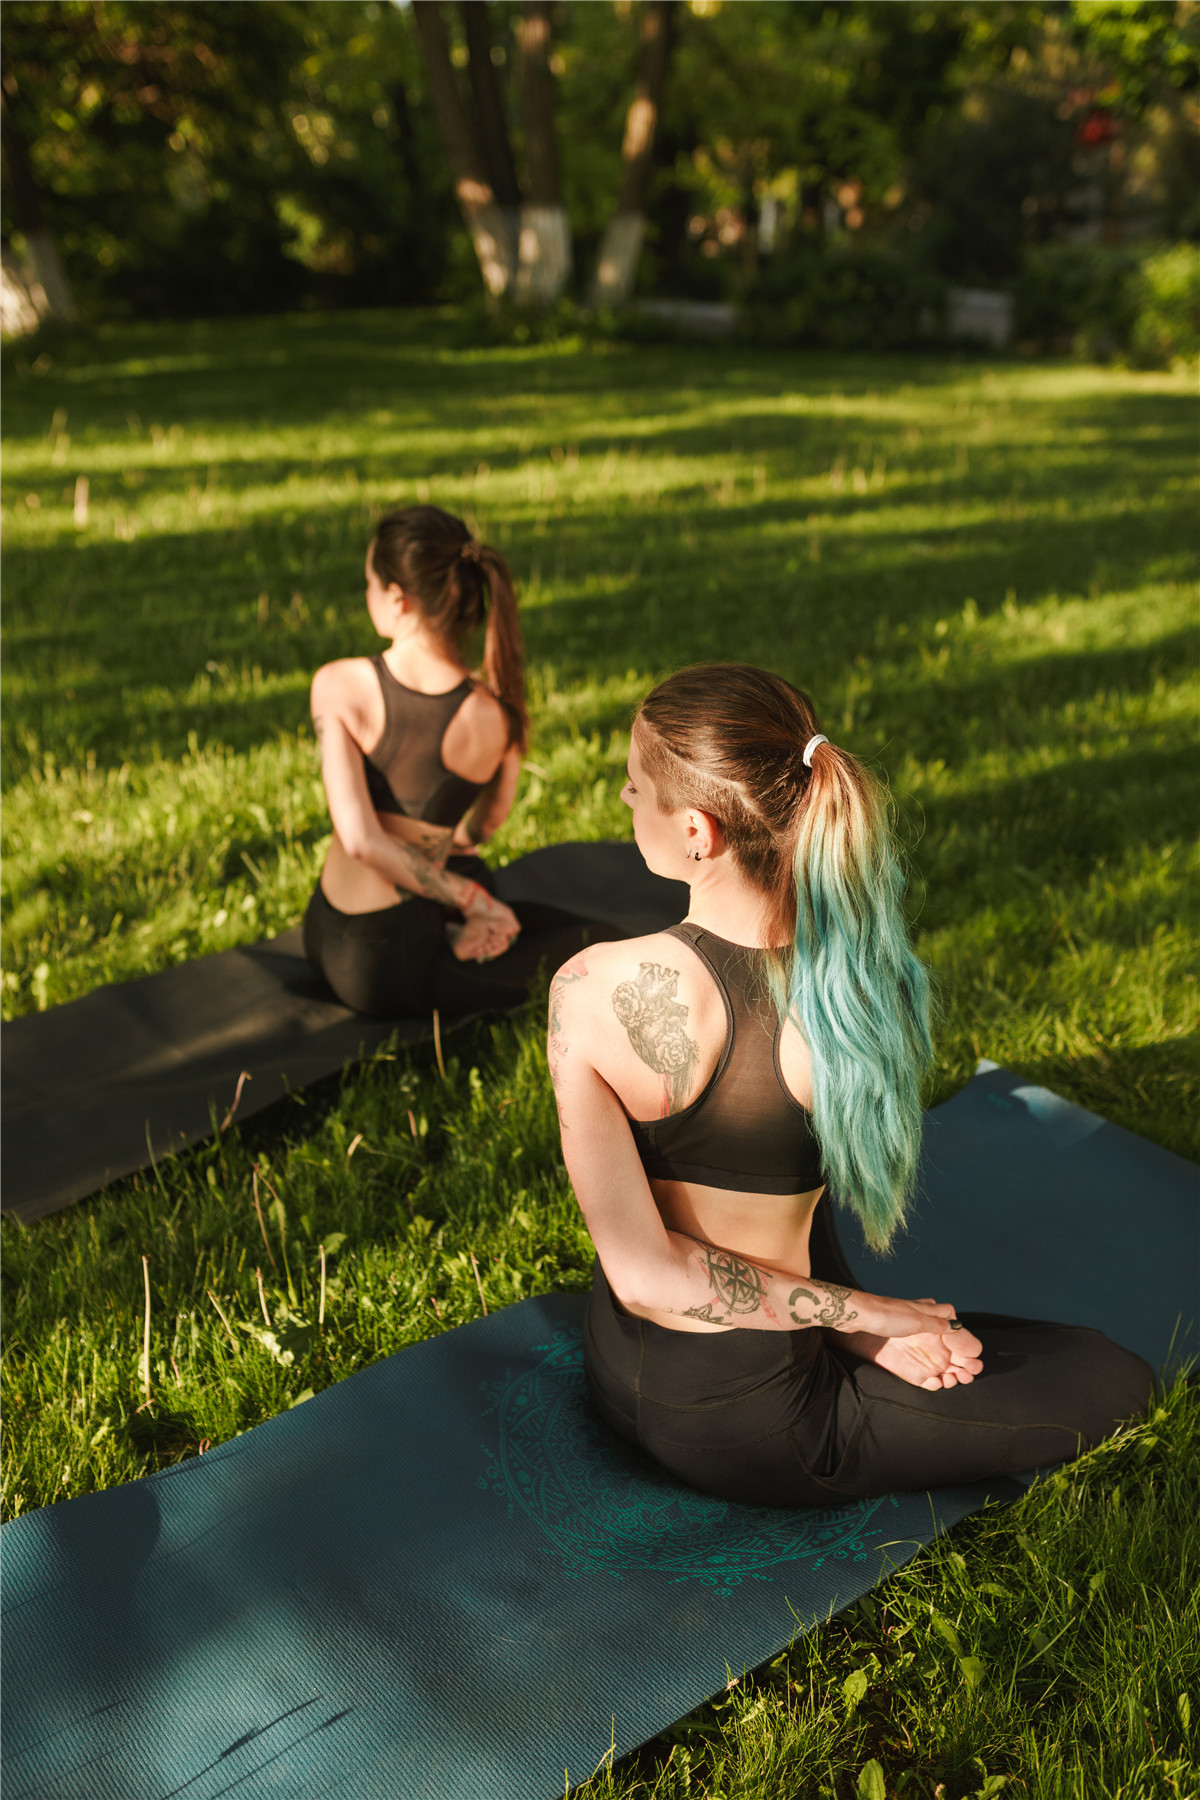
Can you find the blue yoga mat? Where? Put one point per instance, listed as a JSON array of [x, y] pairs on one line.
[[1028, 1204], [442, 1579]]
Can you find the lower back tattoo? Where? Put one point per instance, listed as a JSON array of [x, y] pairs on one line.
[[655, 1020]]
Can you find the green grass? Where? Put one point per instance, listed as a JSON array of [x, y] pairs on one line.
[[985, 574]]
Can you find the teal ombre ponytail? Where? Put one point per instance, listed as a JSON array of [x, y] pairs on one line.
[[729, 740], [857, 992]]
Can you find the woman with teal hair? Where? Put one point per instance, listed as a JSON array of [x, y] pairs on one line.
[[717, 1082]]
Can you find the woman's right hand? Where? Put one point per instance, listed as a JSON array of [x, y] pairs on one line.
[[887, 1318], [477, 940]]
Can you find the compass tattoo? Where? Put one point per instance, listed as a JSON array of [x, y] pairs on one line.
[[737, 1285], [655, 1020]]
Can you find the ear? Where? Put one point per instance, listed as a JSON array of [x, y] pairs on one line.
[[704, 834]]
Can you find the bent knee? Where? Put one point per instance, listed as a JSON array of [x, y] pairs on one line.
[[1118, 1382]]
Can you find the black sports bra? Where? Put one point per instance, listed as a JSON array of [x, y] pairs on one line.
[[405, 772], [744, 1132]]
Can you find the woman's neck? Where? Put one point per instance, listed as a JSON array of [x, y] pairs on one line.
[[726, 904], [420, 657]]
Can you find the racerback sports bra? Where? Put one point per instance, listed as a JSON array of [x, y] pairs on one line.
[[744, 1132], [405, 772]]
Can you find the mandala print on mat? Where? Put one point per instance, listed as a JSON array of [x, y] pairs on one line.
[[605, 1507]]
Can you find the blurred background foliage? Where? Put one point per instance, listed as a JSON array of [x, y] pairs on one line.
[[830, 167]]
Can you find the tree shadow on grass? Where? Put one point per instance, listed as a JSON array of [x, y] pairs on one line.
[[1053, 829], [429, 347], [645, 597], [293, 372], [1128, 437], [1009, 699]]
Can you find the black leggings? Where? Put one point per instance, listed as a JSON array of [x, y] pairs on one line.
[[789, 1418], [396, 964]]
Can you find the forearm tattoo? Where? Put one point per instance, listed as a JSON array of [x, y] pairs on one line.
[[556, 1043], [427, 878], [654, 1020], [738, 1287], [832, 1310]]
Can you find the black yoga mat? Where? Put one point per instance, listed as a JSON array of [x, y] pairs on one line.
[[93, 1089], [443, 1580]]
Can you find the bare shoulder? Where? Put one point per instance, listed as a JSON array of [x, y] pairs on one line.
[[486, 719], [350, 680], [612, 960], [654, 960], [650, 1015], [477, 736], [581, 991]]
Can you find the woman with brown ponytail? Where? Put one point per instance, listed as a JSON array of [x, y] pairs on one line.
[[718, 1081], [421, 759]]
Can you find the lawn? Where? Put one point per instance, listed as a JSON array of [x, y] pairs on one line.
[[985, 573]]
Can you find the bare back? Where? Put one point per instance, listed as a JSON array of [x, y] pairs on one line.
[[352, 716], [655, 1029]]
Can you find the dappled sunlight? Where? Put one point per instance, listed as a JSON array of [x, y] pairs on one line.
[[152, 863], [1074, 983]]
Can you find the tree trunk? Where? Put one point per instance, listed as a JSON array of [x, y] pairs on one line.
[[544, 265], [491, 232], [620, 249], [490, 126], [488, 121], [406, 139], [45, 281], [23, 303]]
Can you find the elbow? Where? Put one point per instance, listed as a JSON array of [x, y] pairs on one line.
[[357, 843], [483, 826], [633, 1287]]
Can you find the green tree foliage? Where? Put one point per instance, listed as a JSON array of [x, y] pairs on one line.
[[220, 157], [1076, 122], [1150, 49], [797, 105], [370, 200]]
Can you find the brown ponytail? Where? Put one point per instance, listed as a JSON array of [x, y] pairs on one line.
[[503, 659], [459, 586]]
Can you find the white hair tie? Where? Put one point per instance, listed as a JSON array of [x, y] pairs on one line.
[[811, 746]]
